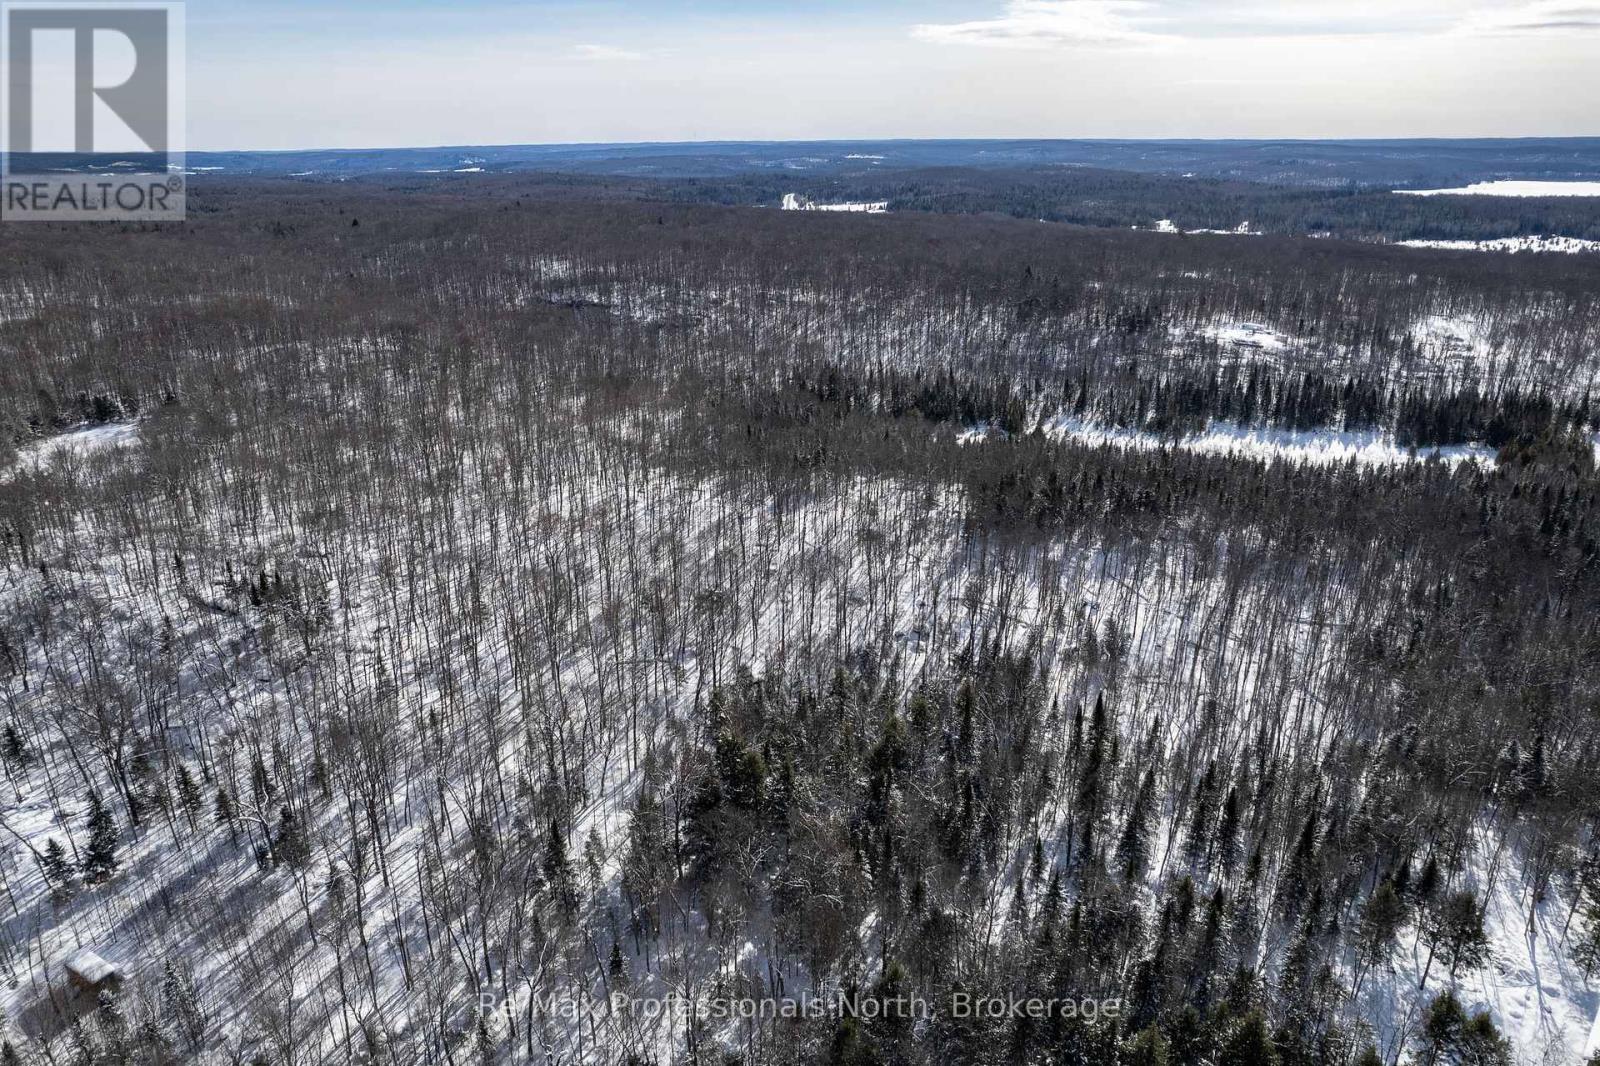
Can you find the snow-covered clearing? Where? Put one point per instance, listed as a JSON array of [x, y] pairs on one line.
[[1324, 447], [76, 444], [1513, 188], [796, 202], [1248, 335], [1243, 229], [1513, 245]]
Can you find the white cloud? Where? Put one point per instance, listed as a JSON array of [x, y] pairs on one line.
[[1049, 24], [1044, 24], [605, 53], [1543, 17]]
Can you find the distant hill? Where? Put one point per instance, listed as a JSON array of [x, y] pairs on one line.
[[1390, 163]]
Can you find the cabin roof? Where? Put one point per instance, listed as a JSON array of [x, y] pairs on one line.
[[88, 966]]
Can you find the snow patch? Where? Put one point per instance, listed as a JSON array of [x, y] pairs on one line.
[[1249, 335], [1513, 188], [1243, 229], [1322, 447], [77, 442], [1513, 245], [796, 202]]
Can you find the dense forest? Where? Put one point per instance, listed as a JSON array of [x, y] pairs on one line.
[[524, 621], [1112, 198]]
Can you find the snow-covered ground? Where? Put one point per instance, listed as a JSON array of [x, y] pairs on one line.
[[1565, 245], [796, 202], [1243, 229], [1513, 188], [1248, 335], [77, 442], [1323, 447], [1536, 996]]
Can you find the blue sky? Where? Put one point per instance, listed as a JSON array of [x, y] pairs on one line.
[[359, 73]]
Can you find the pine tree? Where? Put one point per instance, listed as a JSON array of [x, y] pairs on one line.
[[190, 798], [558, 871], [1198, 841], [1210, 953], [646, 868], [1300, 870], [13, 749], [1192, 1039], [1586, 952], [1449, 1036], [58, 872], [1227, 845], [1090, 786], [1381, 918], [1455, 929], [1427, 884], [483, 1040], [1148, 1048], [1133, 850], [594, 859], [617, 966], [180, 1003], [100, 855], [224, 814], [1250, 1044], [291, 845]]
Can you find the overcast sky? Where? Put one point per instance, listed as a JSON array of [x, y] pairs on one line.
[[364, 73]]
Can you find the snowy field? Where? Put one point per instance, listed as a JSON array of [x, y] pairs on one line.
[[1513, 245], [1317, 447], [796, 202], [1243, 229], [1513, 188], [76, 444]]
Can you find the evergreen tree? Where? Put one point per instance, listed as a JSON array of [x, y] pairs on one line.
[[291, 844], [1091, 788], [13, 749], [1133, 850], [1300, 871], [851, 1046], [1381, 918], [1455, 929], [617, 966], [224, 814], [1198, 841], [1450, 1038], [180, 1003], [1192, 1039], [558, 871], [58, 872], [100, 854], [1586, 951], [1250, 1044], [190, 798], [1427, 883], [1227, 844], [1148, 1048]]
